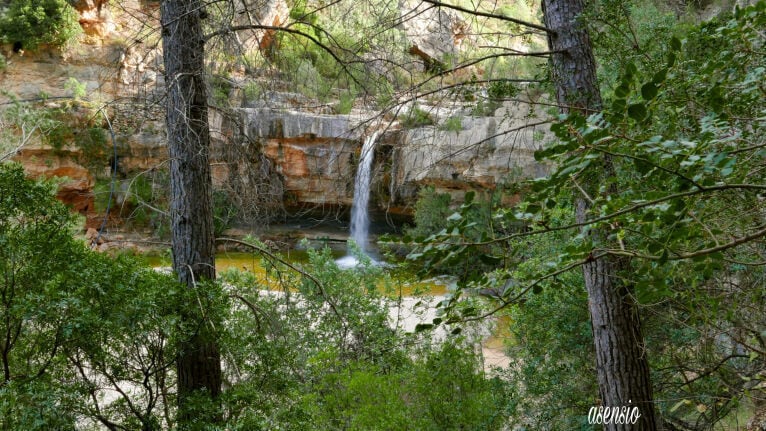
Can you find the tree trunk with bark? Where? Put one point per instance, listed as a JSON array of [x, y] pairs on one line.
[[191, 207], [621, 361]]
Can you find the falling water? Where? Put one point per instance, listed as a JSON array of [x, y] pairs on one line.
[[360, 218]]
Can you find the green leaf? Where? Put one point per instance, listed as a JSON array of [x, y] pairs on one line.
[[671, 59], [654, 247], [637, 111], [489, 259], [630, 70], [619, 105], [642, 167], [663, 257], [660, 76], [622, 91], [649, 91], [675, 43], [420, 327]]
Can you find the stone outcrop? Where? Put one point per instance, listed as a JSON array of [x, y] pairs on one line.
[[435, 34], [317, 155], [269, 13], [95, 19], [487, 152], [111, 68], [265, 154], [76, 187]]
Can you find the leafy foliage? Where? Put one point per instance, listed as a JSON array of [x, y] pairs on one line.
[[452, 124], [684, 134], [35, 287], [685, 210], [75, 322], [39, 22], [328, 359], [417, 117], [431, 212]]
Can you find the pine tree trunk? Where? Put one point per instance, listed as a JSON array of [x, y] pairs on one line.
[[191, 213], [621, 362]]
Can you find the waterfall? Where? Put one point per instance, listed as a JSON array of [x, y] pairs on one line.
[[360, 217]]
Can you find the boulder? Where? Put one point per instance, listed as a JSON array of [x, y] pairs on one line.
[[91, 236], [435, 34], [76, 187], [95, 19], [271, 13]]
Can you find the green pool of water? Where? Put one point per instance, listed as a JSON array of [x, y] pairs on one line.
[[405, 284]]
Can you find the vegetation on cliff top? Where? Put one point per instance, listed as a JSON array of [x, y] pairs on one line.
[[27, 24]]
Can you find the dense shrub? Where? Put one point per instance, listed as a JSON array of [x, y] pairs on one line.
[[431, 212], [327, 359], [416, 117], [76, 319], [31, 23]]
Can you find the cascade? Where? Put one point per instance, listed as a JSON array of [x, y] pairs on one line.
[[360, 217]]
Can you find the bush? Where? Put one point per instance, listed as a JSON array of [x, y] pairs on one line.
[[303, 364], [35, 282], [499, 90], [485, 108], [72, 309], [345, 104], [62, 124], [417, 118], [444, 390], [431, 212], [452, 124], [36, 22]]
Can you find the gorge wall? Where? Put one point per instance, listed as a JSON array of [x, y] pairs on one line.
[[266, 150], [316, 155]]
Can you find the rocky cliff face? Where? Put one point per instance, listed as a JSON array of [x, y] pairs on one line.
[[317, 155], [122, 81], [295, 157]]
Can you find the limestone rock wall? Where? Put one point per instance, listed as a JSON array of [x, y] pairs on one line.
[[487, 152], [265, 156], [316, 155], [116, 62], [435, 32]]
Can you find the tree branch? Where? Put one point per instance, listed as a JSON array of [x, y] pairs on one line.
[[289, 265], [491, 15], [681, 256], [314, 40]]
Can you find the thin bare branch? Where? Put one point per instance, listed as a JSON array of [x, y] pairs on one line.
[[491, 15]]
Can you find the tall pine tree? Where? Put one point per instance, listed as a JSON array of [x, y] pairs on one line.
[[191, 207], [621, 361]]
